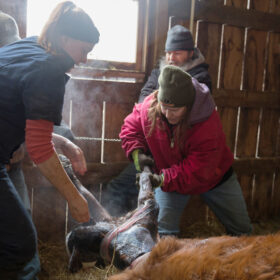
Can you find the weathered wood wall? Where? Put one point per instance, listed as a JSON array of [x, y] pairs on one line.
[[241, 43]]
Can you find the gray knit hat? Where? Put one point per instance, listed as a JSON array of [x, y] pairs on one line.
[[176, 87], [179, 38], [8, 30], [77, 24]]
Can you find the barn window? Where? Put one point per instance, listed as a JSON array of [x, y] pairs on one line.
[[120, 23]]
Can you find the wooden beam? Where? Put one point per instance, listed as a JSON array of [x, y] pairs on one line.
[[233, 16], [257, 165], [128, 76], [248, 99], [103, 172]]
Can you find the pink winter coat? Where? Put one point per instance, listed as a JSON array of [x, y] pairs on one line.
[[203, 161]]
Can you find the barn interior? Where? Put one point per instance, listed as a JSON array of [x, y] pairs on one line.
[[240, 40]]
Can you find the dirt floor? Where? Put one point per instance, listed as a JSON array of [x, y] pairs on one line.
[[54, 259]]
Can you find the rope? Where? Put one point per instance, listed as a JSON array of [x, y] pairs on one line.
[[104, 248]]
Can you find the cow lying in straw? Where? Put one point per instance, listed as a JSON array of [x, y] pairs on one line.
[[216, 258]]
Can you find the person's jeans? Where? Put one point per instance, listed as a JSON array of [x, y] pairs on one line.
[[18, 237], [17, 177], [226, 201]]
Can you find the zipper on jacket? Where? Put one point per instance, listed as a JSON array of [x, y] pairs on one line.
[[172, 141], [171, 136], [169, 130]]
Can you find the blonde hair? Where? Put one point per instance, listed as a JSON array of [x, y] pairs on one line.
[[69, 20], [155, 118]]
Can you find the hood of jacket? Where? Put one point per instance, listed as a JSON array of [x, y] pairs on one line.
[[204, 104]]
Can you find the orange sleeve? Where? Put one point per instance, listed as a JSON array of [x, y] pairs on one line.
[[38, 139]]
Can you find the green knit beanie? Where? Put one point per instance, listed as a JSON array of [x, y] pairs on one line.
[[176, 87]]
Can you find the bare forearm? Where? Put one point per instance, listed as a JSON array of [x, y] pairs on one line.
[[39, 146], [53, 170]]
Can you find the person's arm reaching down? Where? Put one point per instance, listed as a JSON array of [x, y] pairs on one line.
[[38, 137]]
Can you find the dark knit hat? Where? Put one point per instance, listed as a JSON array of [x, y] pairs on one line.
[[8, 29], [176, 87], [179, 38], [77, 24]]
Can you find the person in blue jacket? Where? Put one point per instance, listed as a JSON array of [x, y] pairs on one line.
[[32, 85]]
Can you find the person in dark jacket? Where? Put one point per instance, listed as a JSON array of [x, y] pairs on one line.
[[178, 133], [32, 85], [179, 51], [9, 34], [120, 194]]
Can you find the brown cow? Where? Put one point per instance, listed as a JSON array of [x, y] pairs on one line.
[[215, 258]]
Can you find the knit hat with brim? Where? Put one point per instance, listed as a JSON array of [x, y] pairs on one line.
[[77, 24], [179, 38], [8, 29], [176, 87]]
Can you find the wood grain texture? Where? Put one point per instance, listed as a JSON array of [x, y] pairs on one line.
[[275, 6], [244, 98], [275, 205], [91, 149], [237, 16], [262, 195], [209, 43], [260, 5], [230, 77], [240, 4], [272, 81], [256, 165], [254, 66], [269, 133]]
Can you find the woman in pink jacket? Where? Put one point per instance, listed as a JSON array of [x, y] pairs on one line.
[[178, 132]]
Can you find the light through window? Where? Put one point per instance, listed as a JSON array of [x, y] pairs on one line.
[[116, 21]]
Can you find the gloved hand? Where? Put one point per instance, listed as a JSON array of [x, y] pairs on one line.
[[141, 160], [156, 180]]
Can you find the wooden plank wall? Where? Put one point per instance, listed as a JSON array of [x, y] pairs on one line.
[[241, 43]]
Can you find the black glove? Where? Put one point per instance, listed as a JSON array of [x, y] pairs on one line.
[[156, 180], [138, 180], [141, 160]]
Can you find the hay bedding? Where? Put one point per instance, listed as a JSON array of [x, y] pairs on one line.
[[54, 259]]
